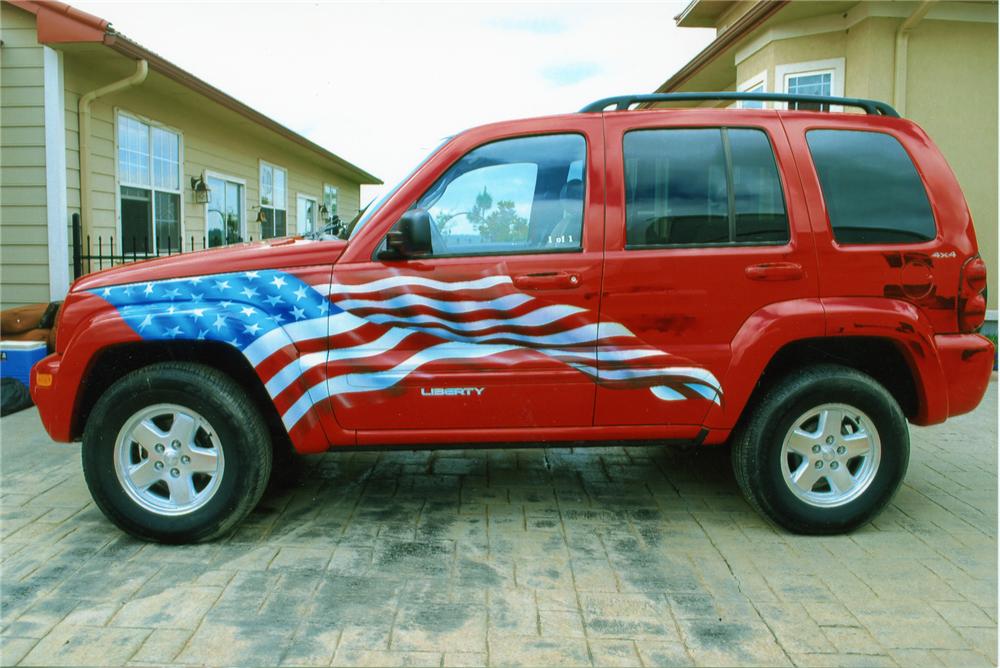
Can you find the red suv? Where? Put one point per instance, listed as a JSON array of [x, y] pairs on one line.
[[799, 284]]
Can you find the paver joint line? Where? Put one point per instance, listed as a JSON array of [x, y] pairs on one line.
[[607, 556]]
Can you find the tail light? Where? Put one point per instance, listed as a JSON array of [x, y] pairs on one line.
[[971, 295]]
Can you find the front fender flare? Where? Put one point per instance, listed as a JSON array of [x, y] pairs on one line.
[[263, 314]]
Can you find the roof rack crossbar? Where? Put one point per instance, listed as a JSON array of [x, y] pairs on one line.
[[623, 102]]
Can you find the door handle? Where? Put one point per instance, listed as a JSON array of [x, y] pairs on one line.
[[547, 280], [775, 271]]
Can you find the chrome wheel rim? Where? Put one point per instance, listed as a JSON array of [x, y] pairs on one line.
[[830, 455], [168, 459]]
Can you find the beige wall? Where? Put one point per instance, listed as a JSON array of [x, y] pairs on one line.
[[24, 273], [952, 93], [212, 140]]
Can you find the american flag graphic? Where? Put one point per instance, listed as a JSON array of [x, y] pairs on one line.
[[309, 342]]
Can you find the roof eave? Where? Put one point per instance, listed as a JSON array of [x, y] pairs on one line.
[[692, 17], [760, 13], [59, 23], [131, 49]]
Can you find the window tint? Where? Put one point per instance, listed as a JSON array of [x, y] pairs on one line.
[[757, 199], [522, 195], [702, 187], [872, 191]]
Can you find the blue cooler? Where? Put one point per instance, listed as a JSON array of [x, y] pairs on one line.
[[17, 358]]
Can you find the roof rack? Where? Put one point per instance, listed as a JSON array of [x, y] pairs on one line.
[[623, 102]]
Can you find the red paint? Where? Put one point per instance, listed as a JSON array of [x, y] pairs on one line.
[[729, 310]]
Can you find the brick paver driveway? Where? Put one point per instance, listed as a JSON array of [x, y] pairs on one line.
[[636, 556]]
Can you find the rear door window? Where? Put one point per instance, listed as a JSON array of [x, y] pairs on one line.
[[872, 191], [702, 187]]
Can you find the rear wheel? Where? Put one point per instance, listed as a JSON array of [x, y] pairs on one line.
[[176, 452], [823, 451]]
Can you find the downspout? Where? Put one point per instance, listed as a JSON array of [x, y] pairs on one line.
[[136, 78], [899, 64]]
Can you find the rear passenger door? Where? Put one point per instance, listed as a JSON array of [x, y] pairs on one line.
[[704, 229]]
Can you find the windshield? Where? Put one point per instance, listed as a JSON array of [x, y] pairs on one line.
[[372, 209]]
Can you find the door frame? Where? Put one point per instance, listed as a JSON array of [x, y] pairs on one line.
[[311, 198], [211, 174], [359, 259]]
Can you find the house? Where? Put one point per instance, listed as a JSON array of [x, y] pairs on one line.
[[935, 62], [152, 159]]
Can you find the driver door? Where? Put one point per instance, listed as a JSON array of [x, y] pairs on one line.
[[492, 328]]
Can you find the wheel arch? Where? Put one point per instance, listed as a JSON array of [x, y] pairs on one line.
[[113, 362], [881, 358], [890, 340]]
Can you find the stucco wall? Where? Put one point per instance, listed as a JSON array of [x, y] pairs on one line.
[[951, 91], [24, 272], [788, 51]]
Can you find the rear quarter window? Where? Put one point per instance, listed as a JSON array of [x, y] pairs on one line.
[[872, 190]]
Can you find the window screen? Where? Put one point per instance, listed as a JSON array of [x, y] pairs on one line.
[[872, 191], [702, 187]]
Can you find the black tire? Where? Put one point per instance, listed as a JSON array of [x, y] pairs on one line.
[[238, 425], [286, 467], [757, 449]]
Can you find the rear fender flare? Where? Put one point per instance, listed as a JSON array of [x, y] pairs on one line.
[[775, 326], [755, 343], [906, 325]]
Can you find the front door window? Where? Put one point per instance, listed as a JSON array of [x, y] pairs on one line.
[[224, 220], [522, 195]]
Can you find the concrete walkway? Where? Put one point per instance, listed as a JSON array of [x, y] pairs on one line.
[[605, 557]]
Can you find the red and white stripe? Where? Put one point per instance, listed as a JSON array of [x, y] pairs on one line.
[[396, 326]]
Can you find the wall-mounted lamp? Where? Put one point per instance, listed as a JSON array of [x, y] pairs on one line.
[[202, 193]]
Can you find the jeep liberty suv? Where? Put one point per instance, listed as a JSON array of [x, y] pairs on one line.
[[799, 284]]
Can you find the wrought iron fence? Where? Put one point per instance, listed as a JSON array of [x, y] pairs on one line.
[[93, 254]]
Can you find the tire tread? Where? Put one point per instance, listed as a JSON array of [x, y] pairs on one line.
[[222, 388], [748, 458]]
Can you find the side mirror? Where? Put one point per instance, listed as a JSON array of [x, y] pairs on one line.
[[409, 237]]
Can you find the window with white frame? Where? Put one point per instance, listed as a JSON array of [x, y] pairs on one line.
[[330, 202], [149, 181], [818, 77], [224, 217], [757, 84], [273, 200]]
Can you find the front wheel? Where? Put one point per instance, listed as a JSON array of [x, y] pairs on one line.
[[176, 453], [823, 451]]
